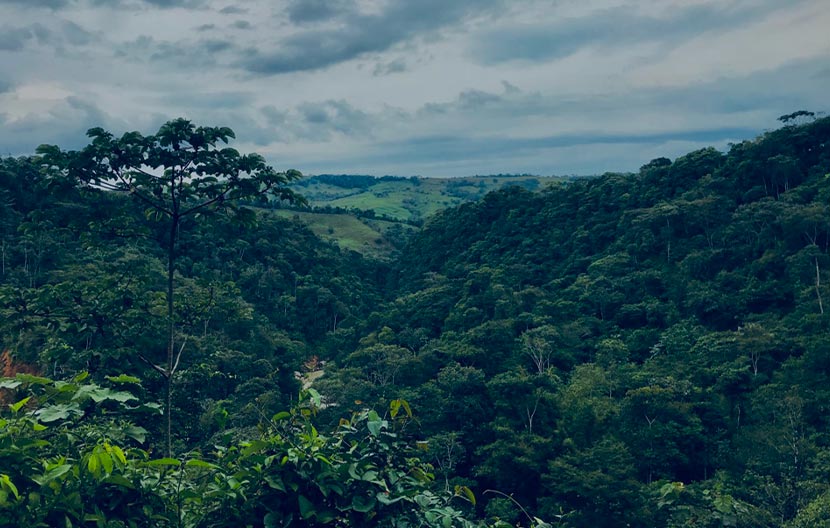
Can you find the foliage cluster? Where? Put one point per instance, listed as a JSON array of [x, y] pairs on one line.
[[70, 457]]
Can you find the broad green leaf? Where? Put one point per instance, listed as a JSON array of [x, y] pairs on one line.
[[254, 447], [153, 408], [201, 464], [57, 412], [123, 378], [100, 394], [10, 383], [32, 380], [271, 521], [163, 462], [326, 516], [6, 482], [374, 424], [306, 507], [93, 464], [19, 405], [119, 455], [315, 397], [52, 474], [363, 504], [423, 501], [275, 482], [139, 434], [119, 480], [464, 491], [281, 416], [370, 476]]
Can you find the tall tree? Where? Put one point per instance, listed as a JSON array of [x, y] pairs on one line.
[[180, 172]]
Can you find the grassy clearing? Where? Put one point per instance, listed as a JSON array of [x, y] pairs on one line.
[[349, 232]]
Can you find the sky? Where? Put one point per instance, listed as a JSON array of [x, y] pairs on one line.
[[436, 88]]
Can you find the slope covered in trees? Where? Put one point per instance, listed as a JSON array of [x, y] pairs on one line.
[[641, 349], [587, 346]]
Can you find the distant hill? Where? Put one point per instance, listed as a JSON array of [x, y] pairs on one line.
[[409, 199]]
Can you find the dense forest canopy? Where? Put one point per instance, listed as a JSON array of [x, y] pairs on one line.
[[642, 349]]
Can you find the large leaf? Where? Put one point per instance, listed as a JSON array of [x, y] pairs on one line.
[[10, 383], [139, 434], [363, 504], [374, 423], [100, 394], [123, 378], [61, 411], [52, 474], [164, 462], [307, 509], [19, 405]]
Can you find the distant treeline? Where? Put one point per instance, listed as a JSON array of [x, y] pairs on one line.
[[354, 181]]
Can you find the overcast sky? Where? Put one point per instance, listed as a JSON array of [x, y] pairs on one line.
[[417, 87]]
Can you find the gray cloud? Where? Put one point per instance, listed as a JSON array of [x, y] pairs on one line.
[[233, 10], [51, 4], [358, 34], [60, 4], [183, 54], [65, 125], [389, 68], [14, 39], [411, 100], [77, 35], [61, 34], [613, 27], [588, 133], [242, 24], [319, 120], [454, 148], [173, 3], [310, 11], [208, 100]]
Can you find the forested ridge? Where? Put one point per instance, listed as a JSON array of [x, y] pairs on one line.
[[642, 349]]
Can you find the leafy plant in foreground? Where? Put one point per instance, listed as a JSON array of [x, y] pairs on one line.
[[67, 461]]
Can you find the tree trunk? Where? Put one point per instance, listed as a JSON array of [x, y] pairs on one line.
[[171, 335], [818, 288]]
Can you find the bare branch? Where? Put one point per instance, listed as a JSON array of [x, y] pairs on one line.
[[141, 196], [203, 205], [155, 367], [179, 356]]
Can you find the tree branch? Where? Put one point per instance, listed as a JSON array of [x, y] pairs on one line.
[[141, 196], [203, 204], [155, 367], [179, 356]]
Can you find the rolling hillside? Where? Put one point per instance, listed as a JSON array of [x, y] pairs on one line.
[[407, 199], [370, 237]]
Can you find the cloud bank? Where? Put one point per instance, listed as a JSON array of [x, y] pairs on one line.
[[424, 87]]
